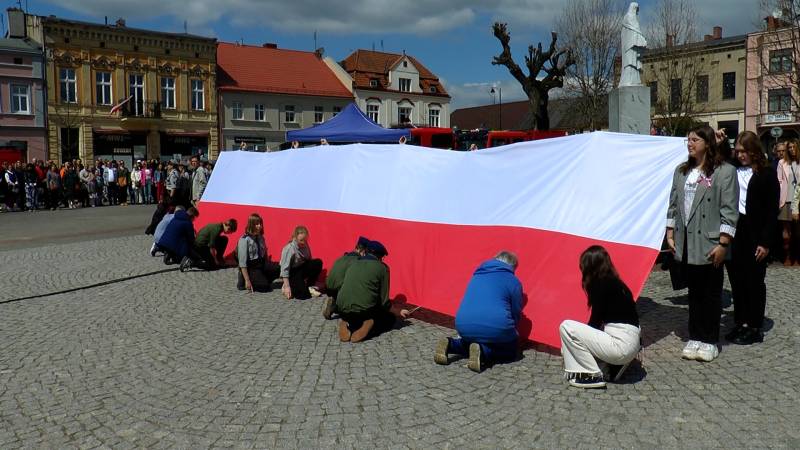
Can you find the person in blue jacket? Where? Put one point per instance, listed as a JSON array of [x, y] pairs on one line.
[[487, 318], [178, 237]]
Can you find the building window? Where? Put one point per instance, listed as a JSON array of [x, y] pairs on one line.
[[318, 114], [288, 114], [675, 89], [260, 113], [168, 93], [238, 111], [20, 103], [336, 110], [729, 85], [103, 80], [404, 114], [702, 88], [433, 89], [405, 84], [373, 83], [198, 98], [433, 117], [780, 100], [18, 61], [68, 86], [373, 111], [780, 60], [136, 90], [653, 85]]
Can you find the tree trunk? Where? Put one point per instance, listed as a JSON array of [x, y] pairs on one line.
[[538, 101]]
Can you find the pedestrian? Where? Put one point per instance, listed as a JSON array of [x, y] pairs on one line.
[[788, 177], [12, 187], [199, 180], [158, 181], [486, 320], [256, 272], [147, 183], [171, 181], [363, 301], [759, 194], [136, 184], [612, 336], [53, 180], [299, 270], [123, 180], [31, 190], [112, 178], [701, 223], [71, 184]]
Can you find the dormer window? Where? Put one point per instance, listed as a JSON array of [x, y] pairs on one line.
[[405, 84], [373, 82], [433, 89], [405, 63]]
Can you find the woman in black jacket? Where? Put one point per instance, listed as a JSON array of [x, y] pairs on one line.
[[759, 195]]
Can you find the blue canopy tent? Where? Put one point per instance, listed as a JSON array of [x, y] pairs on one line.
[[350, 125]]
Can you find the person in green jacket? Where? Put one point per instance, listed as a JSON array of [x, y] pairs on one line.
[[363, 301], [336, 275], [208, 251]]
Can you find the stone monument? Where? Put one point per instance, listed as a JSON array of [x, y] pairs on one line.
[[629, 103]]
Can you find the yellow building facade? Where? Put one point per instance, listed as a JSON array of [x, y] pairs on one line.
[[115, 92]]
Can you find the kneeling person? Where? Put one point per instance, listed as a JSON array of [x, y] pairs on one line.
[[336, 275], [363, 300], [208, 252], [177, 238], [487, 319]]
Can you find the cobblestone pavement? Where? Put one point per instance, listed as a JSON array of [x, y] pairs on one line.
[[177, 360]]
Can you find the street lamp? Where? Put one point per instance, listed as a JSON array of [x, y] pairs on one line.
[[500, 110]]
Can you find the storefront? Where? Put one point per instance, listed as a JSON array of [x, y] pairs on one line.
[[120, 146], [252, 143], [182, 146]]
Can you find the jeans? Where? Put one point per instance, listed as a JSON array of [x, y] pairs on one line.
[[148, 193], [582, 346], [491, 352], [32, 195]]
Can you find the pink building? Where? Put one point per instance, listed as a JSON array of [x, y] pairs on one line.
[[771, 98], [22, 111]]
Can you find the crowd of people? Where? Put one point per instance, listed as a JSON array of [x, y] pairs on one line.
[[723, 209], [47, 185]]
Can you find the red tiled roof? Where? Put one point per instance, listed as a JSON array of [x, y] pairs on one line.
[[365, 65], [273, 70]]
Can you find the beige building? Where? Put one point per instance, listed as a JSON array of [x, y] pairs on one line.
[[265, 91], [704, 81], [115, 92]]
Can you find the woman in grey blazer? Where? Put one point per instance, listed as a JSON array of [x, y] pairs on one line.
[[701, 223]]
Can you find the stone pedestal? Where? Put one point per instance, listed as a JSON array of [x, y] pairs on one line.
[[629, 110]]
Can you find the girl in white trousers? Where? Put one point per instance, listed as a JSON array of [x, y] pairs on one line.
[[612, 335]]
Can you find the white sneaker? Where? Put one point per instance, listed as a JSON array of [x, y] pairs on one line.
[[707, 352], [314, 291], [690, 351]]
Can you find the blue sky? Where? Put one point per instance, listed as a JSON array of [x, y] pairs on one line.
[[451, 37]]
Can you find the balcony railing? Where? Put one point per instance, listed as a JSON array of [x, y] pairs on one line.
[[148, 110]]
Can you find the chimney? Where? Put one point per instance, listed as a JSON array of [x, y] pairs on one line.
[[717, 33], [270, 45], [670, 40], [120, 22], [707, 37], [320, 52], [16, 23]]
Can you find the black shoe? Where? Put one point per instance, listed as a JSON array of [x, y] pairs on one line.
[[186, 264], [588, 381], [737, 330], [168, 259], [749, 336]]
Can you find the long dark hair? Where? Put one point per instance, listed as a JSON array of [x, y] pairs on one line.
[[713, 156], [595, 264], [752, 145]]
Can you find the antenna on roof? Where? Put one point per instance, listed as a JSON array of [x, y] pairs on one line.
[[373, 46], [185, 27], [3, 23], [381, 44], [315, 39]]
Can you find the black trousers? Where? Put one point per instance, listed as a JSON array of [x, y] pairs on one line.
[[303, 276], [747, 279], [262, 274], [201, 255], [384, 320], [705, 299]]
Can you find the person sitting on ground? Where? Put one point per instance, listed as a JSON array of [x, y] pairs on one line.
[[487, 318], [612, 334], [363, 300], [161, 227], [336, 275], [208, 251], [256, 272], [299, 270], [178, 237]]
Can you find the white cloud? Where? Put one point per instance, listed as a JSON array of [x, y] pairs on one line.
[[478, 93], [335, 16]]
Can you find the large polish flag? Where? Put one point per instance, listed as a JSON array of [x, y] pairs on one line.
[[441, 213]]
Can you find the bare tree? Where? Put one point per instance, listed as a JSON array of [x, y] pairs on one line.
[[677, 65], [591, 28], [553, 63], [779, 53]]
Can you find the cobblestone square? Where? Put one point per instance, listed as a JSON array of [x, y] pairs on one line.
[[173, 360]]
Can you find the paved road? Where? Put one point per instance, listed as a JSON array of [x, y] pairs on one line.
[[185, 361]]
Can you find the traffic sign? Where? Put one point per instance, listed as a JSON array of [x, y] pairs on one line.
[[776, 132]]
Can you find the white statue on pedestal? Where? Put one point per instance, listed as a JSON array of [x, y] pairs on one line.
[[633, 43]]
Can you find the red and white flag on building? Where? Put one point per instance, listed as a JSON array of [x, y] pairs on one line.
[[119, 105], [441, 213]]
